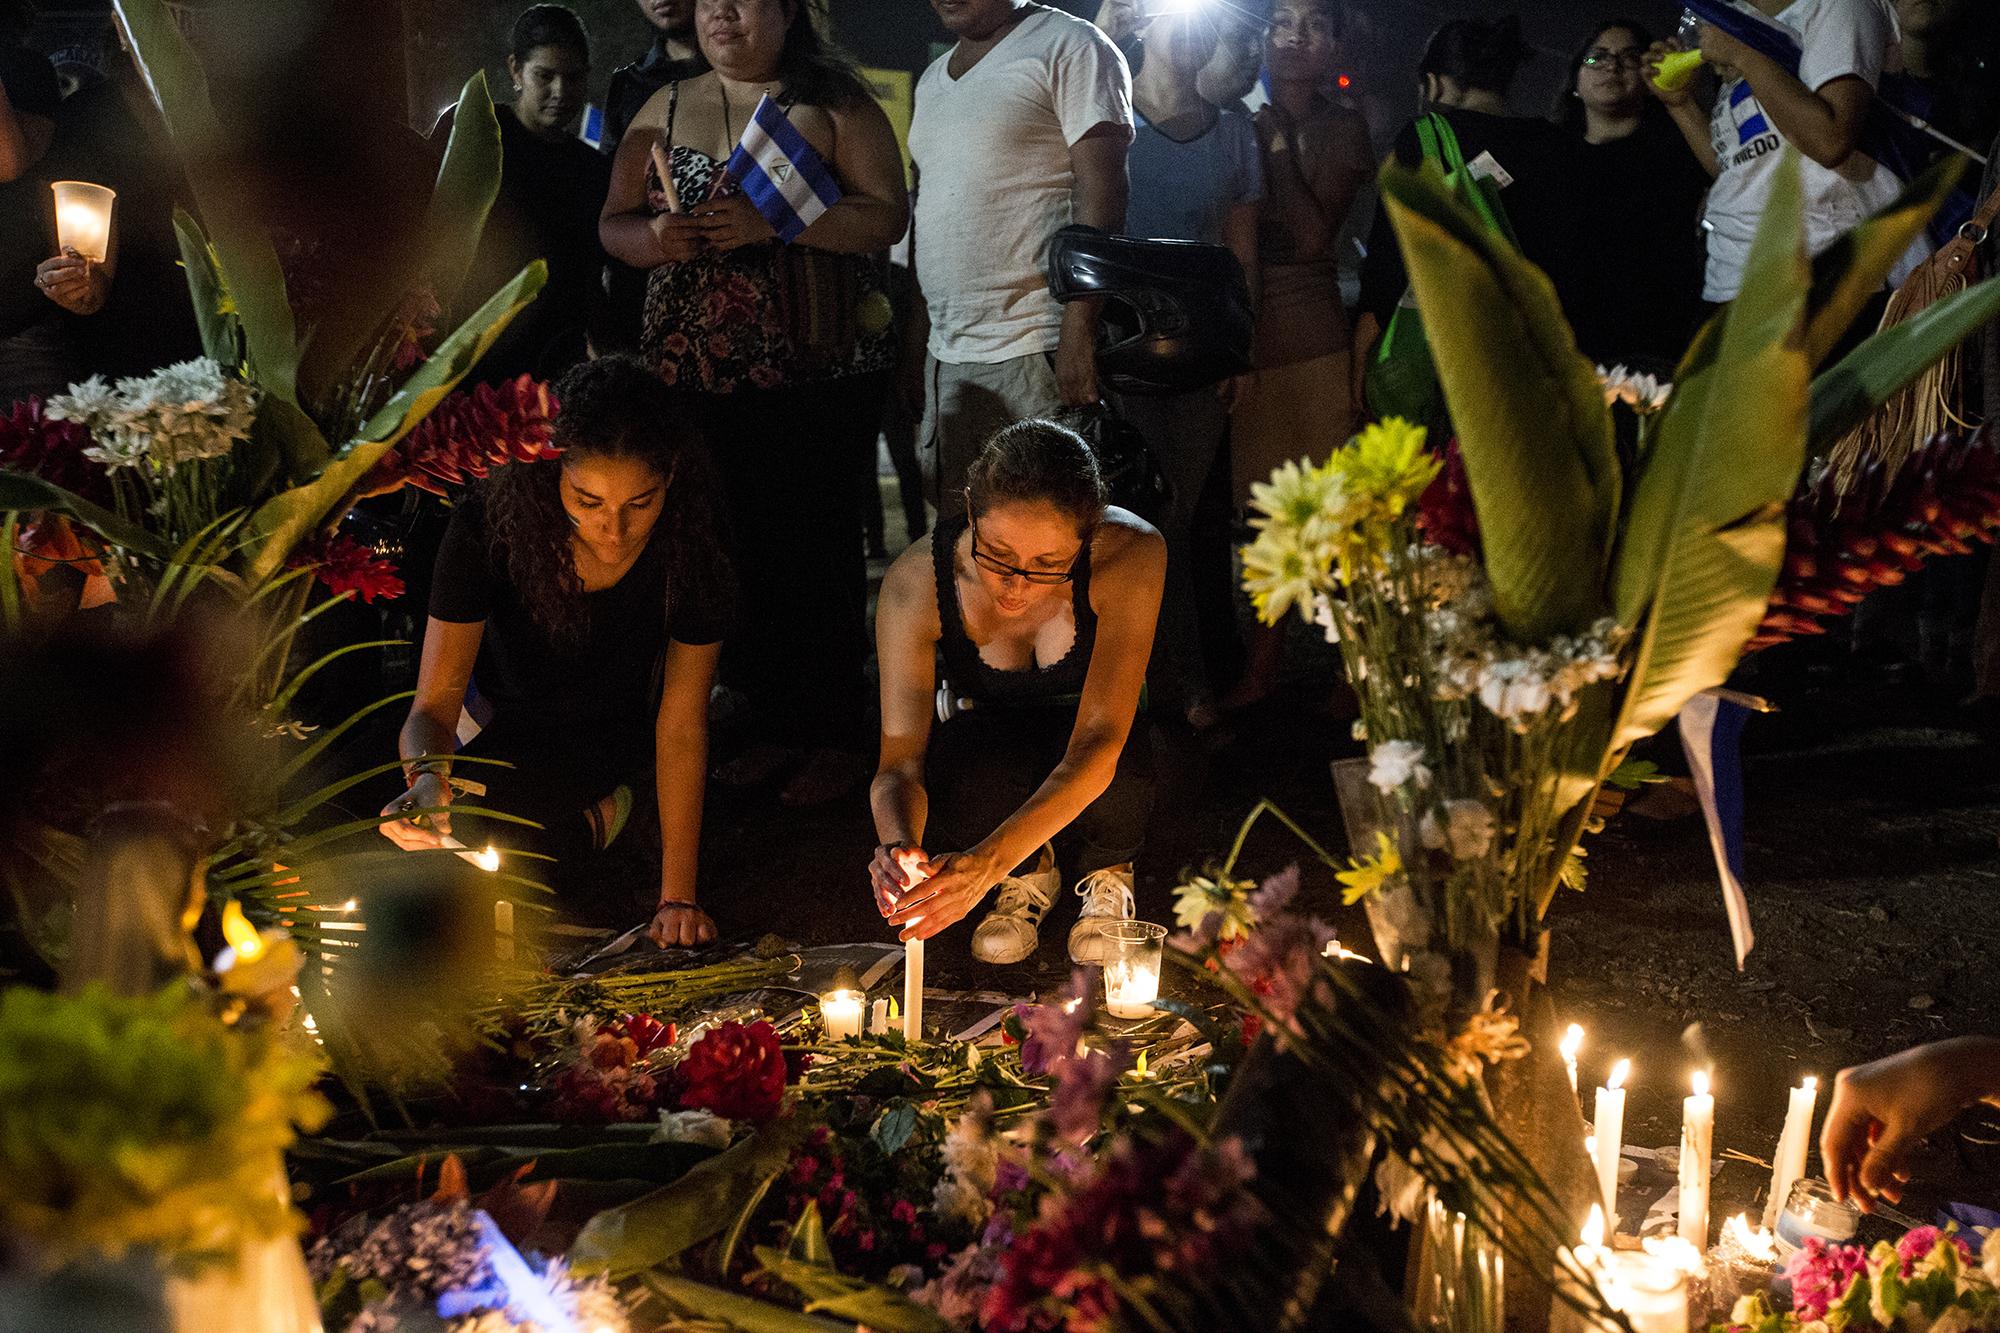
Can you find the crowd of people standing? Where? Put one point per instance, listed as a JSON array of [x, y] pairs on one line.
[[1022, 667]]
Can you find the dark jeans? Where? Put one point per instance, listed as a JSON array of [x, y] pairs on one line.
[[984, 764], [786, 461]]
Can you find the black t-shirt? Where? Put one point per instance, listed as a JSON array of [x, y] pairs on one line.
[[1632, 290], [1539, 202], [586, 694], [551, 195], [632, 84]]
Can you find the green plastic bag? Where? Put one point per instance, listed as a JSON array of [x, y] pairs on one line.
[[1402, 379]]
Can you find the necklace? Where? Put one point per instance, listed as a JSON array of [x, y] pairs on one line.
[[728, 129]]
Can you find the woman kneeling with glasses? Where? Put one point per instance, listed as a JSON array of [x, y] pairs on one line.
[[1041, 601]]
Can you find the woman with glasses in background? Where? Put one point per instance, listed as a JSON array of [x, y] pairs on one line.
[[1040, 599], [1634, 293]]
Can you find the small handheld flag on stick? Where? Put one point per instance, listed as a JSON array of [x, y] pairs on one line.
[[781, 174]]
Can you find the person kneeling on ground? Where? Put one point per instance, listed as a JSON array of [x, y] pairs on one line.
[[1041, 599], [592, 594]]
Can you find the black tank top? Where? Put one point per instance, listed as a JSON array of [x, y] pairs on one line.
[[969, 675]]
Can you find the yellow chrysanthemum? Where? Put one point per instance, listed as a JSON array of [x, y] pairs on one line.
[[1297, 494], [1386, 464], [1365, 874], [1279, 575]]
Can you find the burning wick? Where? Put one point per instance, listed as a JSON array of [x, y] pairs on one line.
[[487, 859]]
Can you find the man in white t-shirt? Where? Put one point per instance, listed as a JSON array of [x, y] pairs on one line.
[[1762, 107], [1018, 130]]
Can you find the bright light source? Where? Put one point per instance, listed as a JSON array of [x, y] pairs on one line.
[[1619, 1073], [1700, 1081], [1572, 1041], [1344, 81]]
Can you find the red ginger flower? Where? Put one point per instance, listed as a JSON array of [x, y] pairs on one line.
[[52, 450], [735, 1071], [471, 432], [346, 567], [1445, 513]]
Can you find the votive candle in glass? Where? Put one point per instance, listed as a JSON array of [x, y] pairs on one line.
[[840, 1013], [83, 218], [1132, 967]]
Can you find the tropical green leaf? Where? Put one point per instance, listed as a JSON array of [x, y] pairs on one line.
[[1529, 414], [1854, 267], [10, 579], [306, 673], [808, 1240], [1705, 536], [725, 1249], [468, 182], [297, 450], [744, 1314], [1845, 393], [454, 357], [244, 259], [289, 518], [27, 493], [214, 313], [865, 1303], [634, 1237]]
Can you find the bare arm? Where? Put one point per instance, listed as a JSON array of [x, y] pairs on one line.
[[1239, 233], [450, 649], [1097, 199], [628, 228], [874, 206], [906, 636], [1824, 123], [680, 763], [1689, 117]]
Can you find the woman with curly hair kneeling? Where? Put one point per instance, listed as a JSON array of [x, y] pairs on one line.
[[588, 596]]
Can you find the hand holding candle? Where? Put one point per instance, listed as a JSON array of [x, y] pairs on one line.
[[83, 218]]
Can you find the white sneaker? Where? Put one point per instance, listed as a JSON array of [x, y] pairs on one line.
[[1107, 897], [1007, 934]]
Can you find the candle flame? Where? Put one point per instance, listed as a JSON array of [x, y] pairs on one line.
[[894, 1011], [1593, 1227], [1700, 1081], [1572, 1041], [1753, 1241], [1619, 1072], [1677, 1253], [1809, 1083], [242, 936], [488, 860], [1141, 1067]]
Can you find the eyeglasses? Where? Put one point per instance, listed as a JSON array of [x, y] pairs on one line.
[[1004, 570], [1597, 57]]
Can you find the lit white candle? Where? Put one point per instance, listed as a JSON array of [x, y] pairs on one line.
[[840, 1012], [83, 217], [1650, 1290], [1789, 1162], [1610, 1122], [487, 859], [913, 990], [1130, 987], [1572, 1043], [1697, 1147]]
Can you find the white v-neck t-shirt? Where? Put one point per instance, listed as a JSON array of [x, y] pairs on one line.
[[993, 179]]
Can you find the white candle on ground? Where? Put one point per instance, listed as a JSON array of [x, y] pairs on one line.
[[1572, 1042], [1610, 1122], [1697, 1147], [1131, 986], [1649, 1290], [840, 1012], [1789, 1162], [878, 1018], [913, 990], [503, 930]]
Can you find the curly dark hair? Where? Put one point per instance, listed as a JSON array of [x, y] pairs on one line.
[[613, 407], [1038, 460]]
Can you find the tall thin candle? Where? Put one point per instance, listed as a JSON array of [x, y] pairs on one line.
[[1611, 1137], [1697, 1147], [913, 990], [1789, 1162]]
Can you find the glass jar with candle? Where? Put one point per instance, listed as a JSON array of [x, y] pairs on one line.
[[1648, 1289], [83, 218], [1134, 951], [1813, 1211]]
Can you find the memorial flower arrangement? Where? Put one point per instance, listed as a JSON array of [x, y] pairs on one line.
[[146, 1122], [1931, 1280]]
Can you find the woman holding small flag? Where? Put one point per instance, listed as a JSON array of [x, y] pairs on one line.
[[762, 196]]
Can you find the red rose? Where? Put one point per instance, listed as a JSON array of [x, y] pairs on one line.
[[735, 1071]]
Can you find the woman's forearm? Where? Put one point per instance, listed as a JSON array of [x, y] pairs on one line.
[[901, 808], [423, 734], [1692, 122], [1081, 777], [680, 770], [857, 224], [629, 238]]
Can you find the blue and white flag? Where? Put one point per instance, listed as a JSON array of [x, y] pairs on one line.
[[782, 175], [1712, 738]]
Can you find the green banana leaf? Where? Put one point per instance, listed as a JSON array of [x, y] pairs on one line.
[[468, 182], [285, 520], [1530, 416], [1845, 393], [1705, 536], [25, 492], [214, 311], [745, 1314], [244, 257], [634, 1237], [866, 1303], [1854, 267]]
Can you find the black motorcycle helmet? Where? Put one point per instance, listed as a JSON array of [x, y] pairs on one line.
[[1176, 313]]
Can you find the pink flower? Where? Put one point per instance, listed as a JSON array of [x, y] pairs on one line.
[[348, 568], [1280, 963], [1820, 1275], [1918, 1242], [1054, 1031]]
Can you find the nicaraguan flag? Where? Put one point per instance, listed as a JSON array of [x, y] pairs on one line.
[[783, 176], [1712, 737]]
